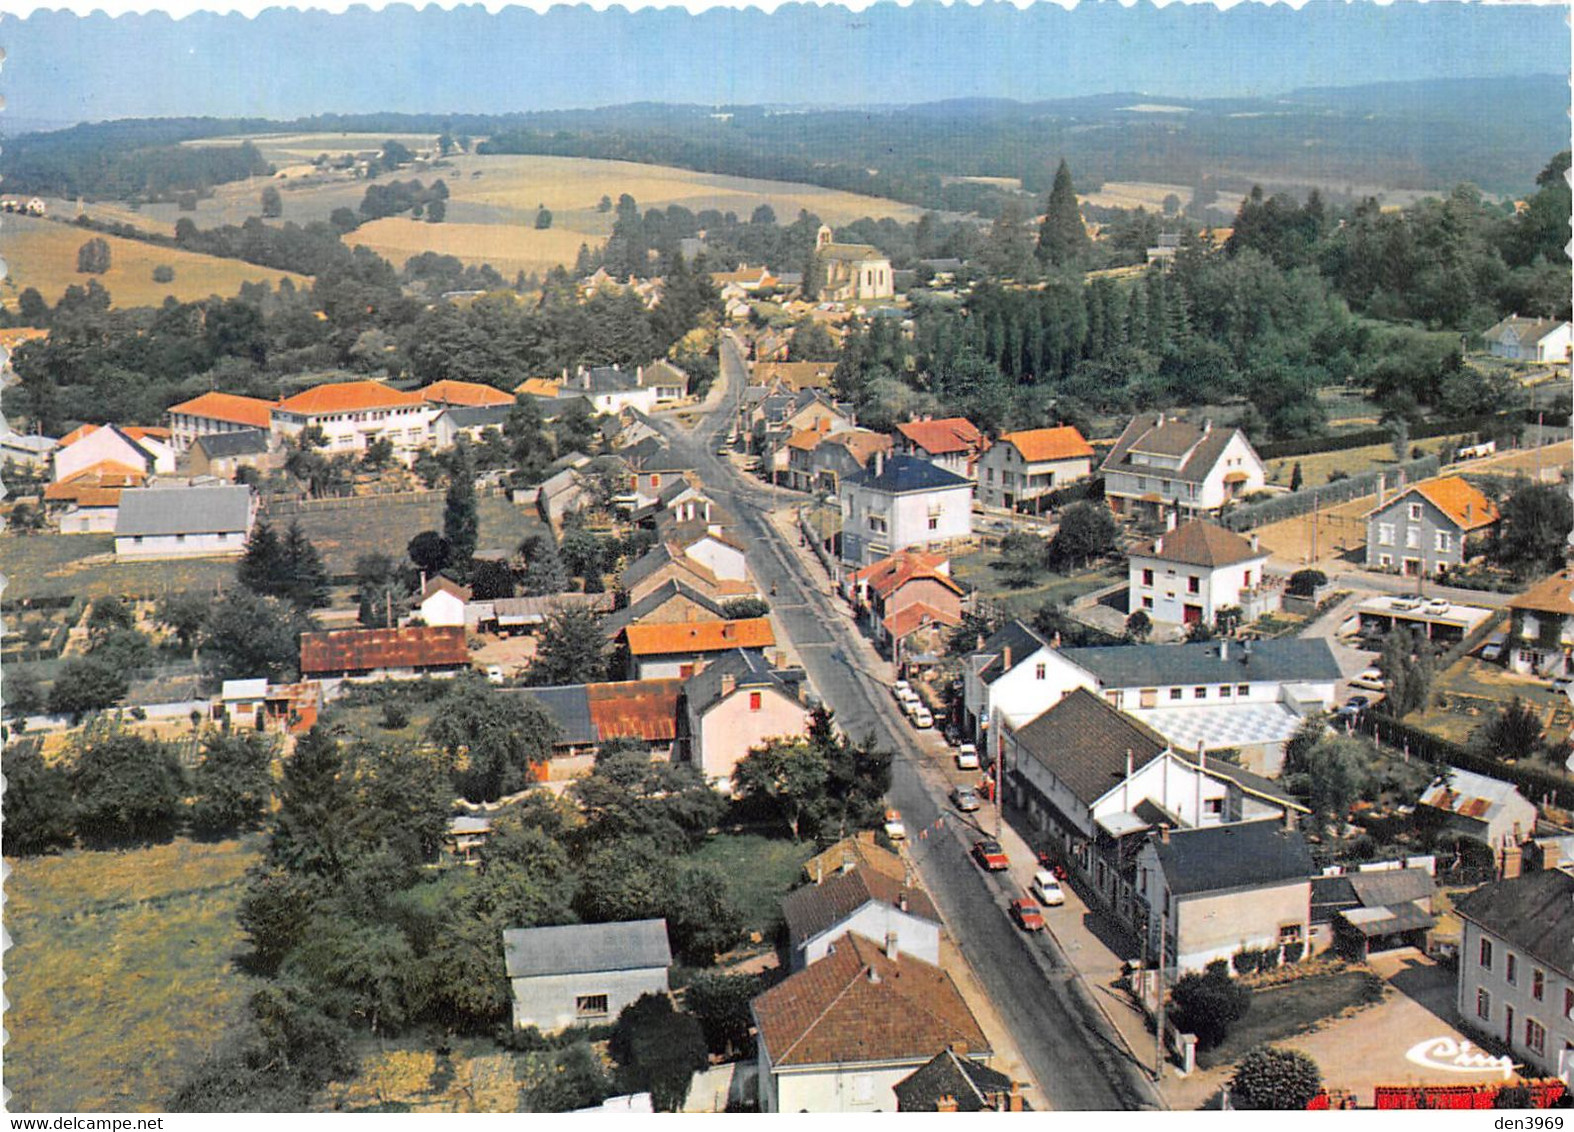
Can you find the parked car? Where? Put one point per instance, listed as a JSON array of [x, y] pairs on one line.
[[1027, 915], [1562, 684], [967, 757], [1354, 705], [494, 673], [1437, 606], [1047, 889], [1493, 649], [990, 855], [1368, 678], [922, 717], [894, 829], [901, 689], [965, 798]]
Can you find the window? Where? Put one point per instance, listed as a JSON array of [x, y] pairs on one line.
[[1213, 807], [1199, 693], [755, 701], [1176, 693], [590, 1006], [989, 475], [1568, 1002], [1289, 933], [655, 482], [1040, 671], [1385, 534], [1415, 512], [1511, 968], [1224, 691], [1535, 1036], [1147, 603], [1147, 577], [1385, 560], [1483, 1004], [1243, 689], [1538, 984], [1193, 584], [934, 523], [1413, 538], [1486, 954]]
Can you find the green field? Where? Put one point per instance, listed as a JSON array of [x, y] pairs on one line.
[[49, 565], [341, 535], [761, 871], [121, 974], [975, 570], [1285, 1011]]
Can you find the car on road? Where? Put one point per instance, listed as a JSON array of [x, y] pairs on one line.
[[1370, 678], [1047, 889], [723, 451], [990, 855], [967, 757], [965, 798], [1027, 915], [922, 717], [894, 829], [1562, 684]]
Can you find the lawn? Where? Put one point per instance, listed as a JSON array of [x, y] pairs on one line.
[[1471, 691], [975, 570], [1317, 467], [343, 535], [120, 977], [50, 565], [761, 870], [1285, 1011], [43, 254]]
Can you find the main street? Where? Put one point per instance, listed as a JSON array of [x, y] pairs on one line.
[[1070, 1048]]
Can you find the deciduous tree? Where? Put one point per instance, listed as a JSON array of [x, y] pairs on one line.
[[1269, 1077]]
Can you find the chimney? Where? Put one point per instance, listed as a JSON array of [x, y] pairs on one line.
[[1005, 658], [1254, 542], [1550, 858], [1014, 1100], [879, 462], [1171, 517], [901, 901], [945, 1103], [1289, 819], [1164, 832], [1158, 545], [1207, 426], [728, 630], [892, 952], [872, 975], [1513, 861], [729, 684]]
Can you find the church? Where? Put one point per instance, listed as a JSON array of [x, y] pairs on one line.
[[851, 272]]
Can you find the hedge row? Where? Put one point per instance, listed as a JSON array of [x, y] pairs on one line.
[[1532, 782]]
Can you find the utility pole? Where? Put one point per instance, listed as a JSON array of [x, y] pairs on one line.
[[1158, 1030]]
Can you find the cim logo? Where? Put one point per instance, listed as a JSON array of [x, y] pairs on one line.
[[1451, 1056]]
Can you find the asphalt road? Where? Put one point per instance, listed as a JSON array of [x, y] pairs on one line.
[[1070, 1049]]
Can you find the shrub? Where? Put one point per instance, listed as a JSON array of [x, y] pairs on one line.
[[1207, 1005], [395, 717], [1294, 951], [1270, 1078], [163, 273], [1246, 961], [1267, 959], [1304, 583]]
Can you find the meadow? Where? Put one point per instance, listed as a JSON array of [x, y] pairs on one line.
[[43, 254], [120, 977]]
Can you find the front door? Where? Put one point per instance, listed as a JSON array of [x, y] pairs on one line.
[[1191, 614]]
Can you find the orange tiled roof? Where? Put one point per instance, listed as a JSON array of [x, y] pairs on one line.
[[251, 411], [952, 434], [806, 439], [92, 482], [699, 636], [1461, 501], [1198, 543], [467, 393], [348, 397], [1040, 444], [1549, 596], [910, 618], [539, 387], [145, 432], [77, 434], [891, 574]]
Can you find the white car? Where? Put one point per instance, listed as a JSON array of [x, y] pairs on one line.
[[901, 689], [1371, 678], [967, 757], [1437, 606], [894, 829], [922, 718], [494, 673], [1046, 889]]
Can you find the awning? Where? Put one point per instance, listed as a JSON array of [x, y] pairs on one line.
[[1236, 477], [1371, 922]]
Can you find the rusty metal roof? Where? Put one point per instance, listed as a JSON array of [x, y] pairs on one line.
[[421, 646], [635, 709]]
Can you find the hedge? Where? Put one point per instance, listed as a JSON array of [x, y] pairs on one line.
[[1277, 507], [1533, 782], [1367, 437]]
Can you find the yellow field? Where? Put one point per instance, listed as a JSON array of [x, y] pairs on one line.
[[120, 977], [492, 201], [1135, 194], [43, 254]]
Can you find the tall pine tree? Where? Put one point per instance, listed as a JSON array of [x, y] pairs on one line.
[[461, 524], [1062, 239]]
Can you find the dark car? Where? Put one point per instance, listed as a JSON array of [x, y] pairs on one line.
[[990, 855]]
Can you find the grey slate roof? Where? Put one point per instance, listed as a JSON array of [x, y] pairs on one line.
[[1534, 913], [817, 908], [1019, 637], [615, 623], [573, 949], [1083, 741], [247, 442], [747, 666], [1285, 661], [1253, 854], [971, 1084], [477, 416], [1382, 887], [1153, 432], [183, 510], [1330, 895], [908, 473], [1255, 783], [569, 707]]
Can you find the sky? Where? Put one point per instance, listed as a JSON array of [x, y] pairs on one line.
[[285, 63]]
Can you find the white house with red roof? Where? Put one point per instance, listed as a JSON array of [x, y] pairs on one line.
[[351, 414], [214, 413], [1021, 466], [953, 443], [1188, 573], [144, 450]]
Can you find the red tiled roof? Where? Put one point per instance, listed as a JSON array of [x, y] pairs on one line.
[[950, 434], [348, 397], [1455, 497], [77, 434], [890, 574], [348, 650], [232, 407], [635, 709], [144, 432], [856, 1006], [806, 439], [699, 636], [911, 618], [100, 482], [1040, 444], [463, 393]]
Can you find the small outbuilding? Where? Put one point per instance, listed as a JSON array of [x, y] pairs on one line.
[[584, 974]]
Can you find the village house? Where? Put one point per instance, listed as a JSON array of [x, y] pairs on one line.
[[902, 596], [735, 703], [383, 654], [864, 901], [670, 602], [1472, 805], [609, 389], [1429, 528], [851, 272], [839, 1035], [670, 383], [215, 414], [184, 522], [904, 502], [818, 461], [469, 421], [715, 551], [88, 502], [1516, 968], [860, 851], [952, 443], [1021, 467], [443, 602], [791, 377], [590, 715], [665, 562], [681, 502], [145, 450], [1374, 908], [683, 648], [26, 449], [1192, 571], [352, 414], [1221, 889], [584, 974], [1541, 627], [1544, 340], [1161, 463], [223, 454], [950, 1082], [511, 616]]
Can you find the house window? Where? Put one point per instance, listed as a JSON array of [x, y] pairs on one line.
[[1193, 584], [1535, 1036], [1483, 1004], [1199, 693], [1538, 983], [934, 523], [755, 701], [1147, 603], [1415, 512], [590, 1006], [1386, 561], [1213, 807], [1568, 1002], [1177, 693], [1224, 691], [1147, 577], [1511, 968], [1486, 954], [655, 482], [1413, 538], [1040, 671]]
